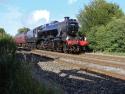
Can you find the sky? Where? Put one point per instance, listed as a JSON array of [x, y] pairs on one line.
[[15, 14]]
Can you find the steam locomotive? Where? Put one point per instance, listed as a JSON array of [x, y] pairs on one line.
[[55, 36]]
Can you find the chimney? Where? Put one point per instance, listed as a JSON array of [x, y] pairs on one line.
[[66, 18]]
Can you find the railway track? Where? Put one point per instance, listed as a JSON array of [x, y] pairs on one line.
[[107, 65], [77, 74]]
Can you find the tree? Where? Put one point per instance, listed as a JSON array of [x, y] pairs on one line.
[[98, 12], [2, 32], [109, 37], [24, 29]]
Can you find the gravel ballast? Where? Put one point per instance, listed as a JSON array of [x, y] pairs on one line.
[[71, 79]]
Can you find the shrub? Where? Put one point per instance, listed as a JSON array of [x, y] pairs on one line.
[[7, 64], [15, 76], [7, 48], [109, 38]]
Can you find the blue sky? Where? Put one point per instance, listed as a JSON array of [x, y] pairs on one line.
[[31, 13]]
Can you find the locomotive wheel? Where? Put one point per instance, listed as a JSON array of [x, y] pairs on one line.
[[53, 46], [37, 46], [78, 49], [65, 48]]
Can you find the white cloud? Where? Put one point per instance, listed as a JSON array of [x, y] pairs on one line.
[[72, 1], [13, 18], [41, 14], [36, 18]]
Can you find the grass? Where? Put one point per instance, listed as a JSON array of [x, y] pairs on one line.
[[115, 53], [111, 53], [15, 77]]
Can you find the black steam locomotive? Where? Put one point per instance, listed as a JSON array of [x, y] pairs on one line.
[[56, 36]]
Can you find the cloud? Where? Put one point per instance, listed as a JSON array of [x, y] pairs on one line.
[[36, 17], [72, 1], [41, 14], [13, 18]]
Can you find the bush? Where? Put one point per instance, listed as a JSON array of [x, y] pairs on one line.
[[7, 66], [7, 48], [108, 38], [15, 77]]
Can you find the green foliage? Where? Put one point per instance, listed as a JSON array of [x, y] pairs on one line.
[[98, 12], [104, 25], [24, 29], [7, 66], [109, 38], [7, 46], [15, 76], [2, 32]]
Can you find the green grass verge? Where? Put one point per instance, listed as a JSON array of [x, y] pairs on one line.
[[114, 53], [110, 53]]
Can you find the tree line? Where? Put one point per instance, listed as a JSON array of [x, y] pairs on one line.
[[104, 25]]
